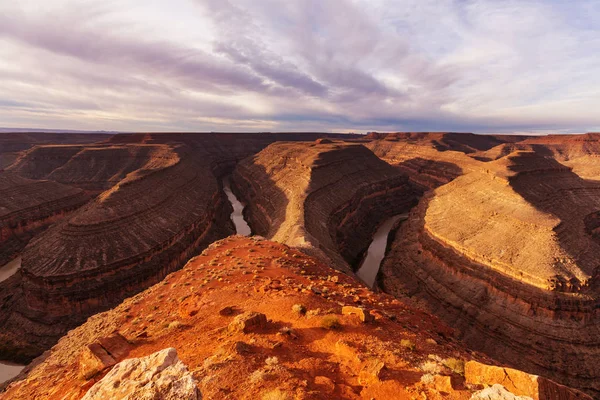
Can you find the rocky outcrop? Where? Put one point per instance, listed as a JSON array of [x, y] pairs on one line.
[[28, 206], [158, 376], [518, 382], [125, 240], [507, 255], [325, 198], [403, 353]]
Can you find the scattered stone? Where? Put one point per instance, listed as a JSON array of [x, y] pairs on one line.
[[325, 384], [497, 392], [248, 322], [371, 372], [102, 354], [361, 312], [226, 311]]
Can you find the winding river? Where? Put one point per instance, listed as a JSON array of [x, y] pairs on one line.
[[370, 266], [9, 269], [237, 216], [9, 370]]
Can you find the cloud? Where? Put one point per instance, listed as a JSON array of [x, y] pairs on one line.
[[476, 65]]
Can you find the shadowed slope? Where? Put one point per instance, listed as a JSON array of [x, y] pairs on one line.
[[325, 198], [28, 206], [503, 254]]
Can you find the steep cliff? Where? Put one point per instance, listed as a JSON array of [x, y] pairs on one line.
[[326, 198], [253, 319], [128, 238], [28, 206], [508, 256]]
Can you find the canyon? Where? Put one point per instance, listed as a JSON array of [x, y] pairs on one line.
[[477, 248]]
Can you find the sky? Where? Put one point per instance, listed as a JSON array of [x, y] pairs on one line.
[[485, 66]]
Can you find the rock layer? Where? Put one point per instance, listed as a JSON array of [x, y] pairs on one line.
[[327, 198], [91, 167], [507, 255], [125, 240], [28, 206]]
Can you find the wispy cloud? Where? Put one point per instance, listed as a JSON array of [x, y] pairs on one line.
[[476, 65]]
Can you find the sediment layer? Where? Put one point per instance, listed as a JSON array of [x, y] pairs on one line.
[[28, 206], [508, 256], [128, 238], [327, 198]]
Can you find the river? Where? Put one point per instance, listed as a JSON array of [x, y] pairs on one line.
[[370, 266], [9, 370], [237, 216], [9, 269]]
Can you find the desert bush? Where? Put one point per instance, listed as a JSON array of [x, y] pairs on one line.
[[330, 322], [276, 395], [427, 379], [299, 309], [408, 344], [272, 361], [456, 365], [431, 367]]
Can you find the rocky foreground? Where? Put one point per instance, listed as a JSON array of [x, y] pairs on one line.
[[254, 319]]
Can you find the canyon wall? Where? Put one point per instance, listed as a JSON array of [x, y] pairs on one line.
[[28, 206], [91, 167], [12, 144], [327, 198], [507, 255], [128, 238]]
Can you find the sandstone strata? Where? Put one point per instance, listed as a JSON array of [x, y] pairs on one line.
[[128, 238], [403, 353], [327, 198], [12, 144], [508, 255], [28, 206]]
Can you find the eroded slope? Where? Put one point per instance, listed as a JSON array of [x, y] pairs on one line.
[[126, 239], [327, 198], [28, 206], [507, 255], [253, 319]]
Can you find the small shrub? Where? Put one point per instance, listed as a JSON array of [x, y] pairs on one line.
[[276, 395], [427, 379], [175, 325], [431, 367], [408, 344], [272, 361], [330, 322], [456, 365], [299, 309]]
